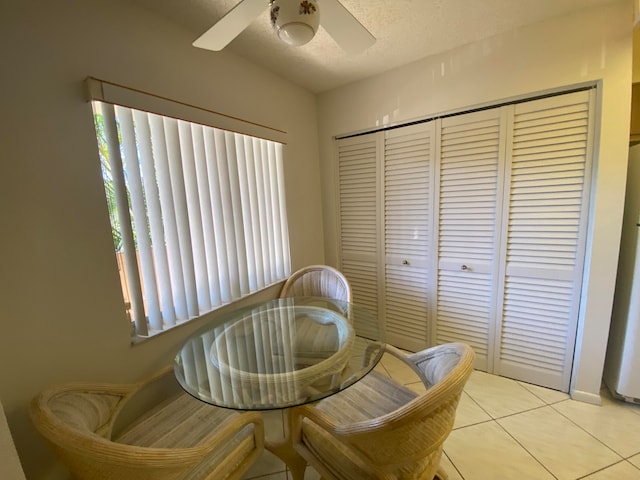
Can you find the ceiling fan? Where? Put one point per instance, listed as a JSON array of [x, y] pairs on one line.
[[294, 21]]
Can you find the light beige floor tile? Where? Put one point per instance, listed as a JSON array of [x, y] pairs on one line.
[[561, 446], [448, 467], [469, 412], [380, 369], [267, 464], [310, 474], [399, 370], [547, 395], [605, 393], [500, 396], [487, 452], [635, 460], [619, 471], [417, 387], [272, 476], [612, 423]]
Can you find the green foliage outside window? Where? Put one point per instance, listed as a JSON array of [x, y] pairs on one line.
[[108, 181]]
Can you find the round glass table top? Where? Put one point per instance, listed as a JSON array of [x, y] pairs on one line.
[[280, 353]]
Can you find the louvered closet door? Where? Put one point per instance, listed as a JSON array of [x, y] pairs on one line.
[[549, 161], [358, 203], [408, 187], [469, 210]]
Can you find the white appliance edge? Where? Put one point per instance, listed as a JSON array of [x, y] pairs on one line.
[[622, 367]]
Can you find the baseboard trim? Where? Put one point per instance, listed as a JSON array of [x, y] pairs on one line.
[[586, 397]]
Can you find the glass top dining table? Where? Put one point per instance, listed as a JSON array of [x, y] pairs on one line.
[[279, 354]]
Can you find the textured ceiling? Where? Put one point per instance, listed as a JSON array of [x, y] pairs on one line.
[[406, 30]]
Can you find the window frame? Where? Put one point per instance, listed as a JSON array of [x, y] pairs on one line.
[[234, 132]]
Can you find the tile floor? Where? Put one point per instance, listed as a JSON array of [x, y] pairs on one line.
[[509, 430]]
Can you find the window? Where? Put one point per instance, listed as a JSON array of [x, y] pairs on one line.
[[198, 213]]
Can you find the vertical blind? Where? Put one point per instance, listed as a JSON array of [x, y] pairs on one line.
[[200, 212]]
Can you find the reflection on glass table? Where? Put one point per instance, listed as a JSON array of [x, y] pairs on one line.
[[279, 354]]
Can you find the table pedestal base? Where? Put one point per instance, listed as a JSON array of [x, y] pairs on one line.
[[285, 452], [282, 447]]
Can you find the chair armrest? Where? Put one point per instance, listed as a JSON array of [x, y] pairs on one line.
[[298, 414], [103, 399], [232, 425], [396, 352], [436, 362], [407, 360], [144, 394], [338, 429], [82, 442], [10, 466]]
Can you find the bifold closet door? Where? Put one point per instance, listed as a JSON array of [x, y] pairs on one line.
[[472, 228], [408, 226], [471, 151], [548, 165], [358, 216]]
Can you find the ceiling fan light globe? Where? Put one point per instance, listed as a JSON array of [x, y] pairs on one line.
[[296, 34], [295, 21]]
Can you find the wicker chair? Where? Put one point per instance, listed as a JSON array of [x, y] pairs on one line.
[[10, 466], [378, 429], [317, 281], [146, 431], [315, 342]]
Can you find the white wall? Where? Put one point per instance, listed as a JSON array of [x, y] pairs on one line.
[[595, 45], [61, 312]]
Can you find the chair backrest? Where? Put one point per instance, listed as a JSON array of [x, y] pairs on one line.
[[410, 438], [10, 467], [317, 281], [144, 431]]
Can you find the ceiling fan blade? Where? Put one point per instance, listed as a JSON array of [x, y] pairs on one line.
[[231, 25], [345, 29]]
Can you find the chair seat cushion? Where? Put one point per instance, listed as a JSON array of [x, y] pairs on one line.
[[373, 396], [180, 422], [183, 422], [85, 411], [316, 340]]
